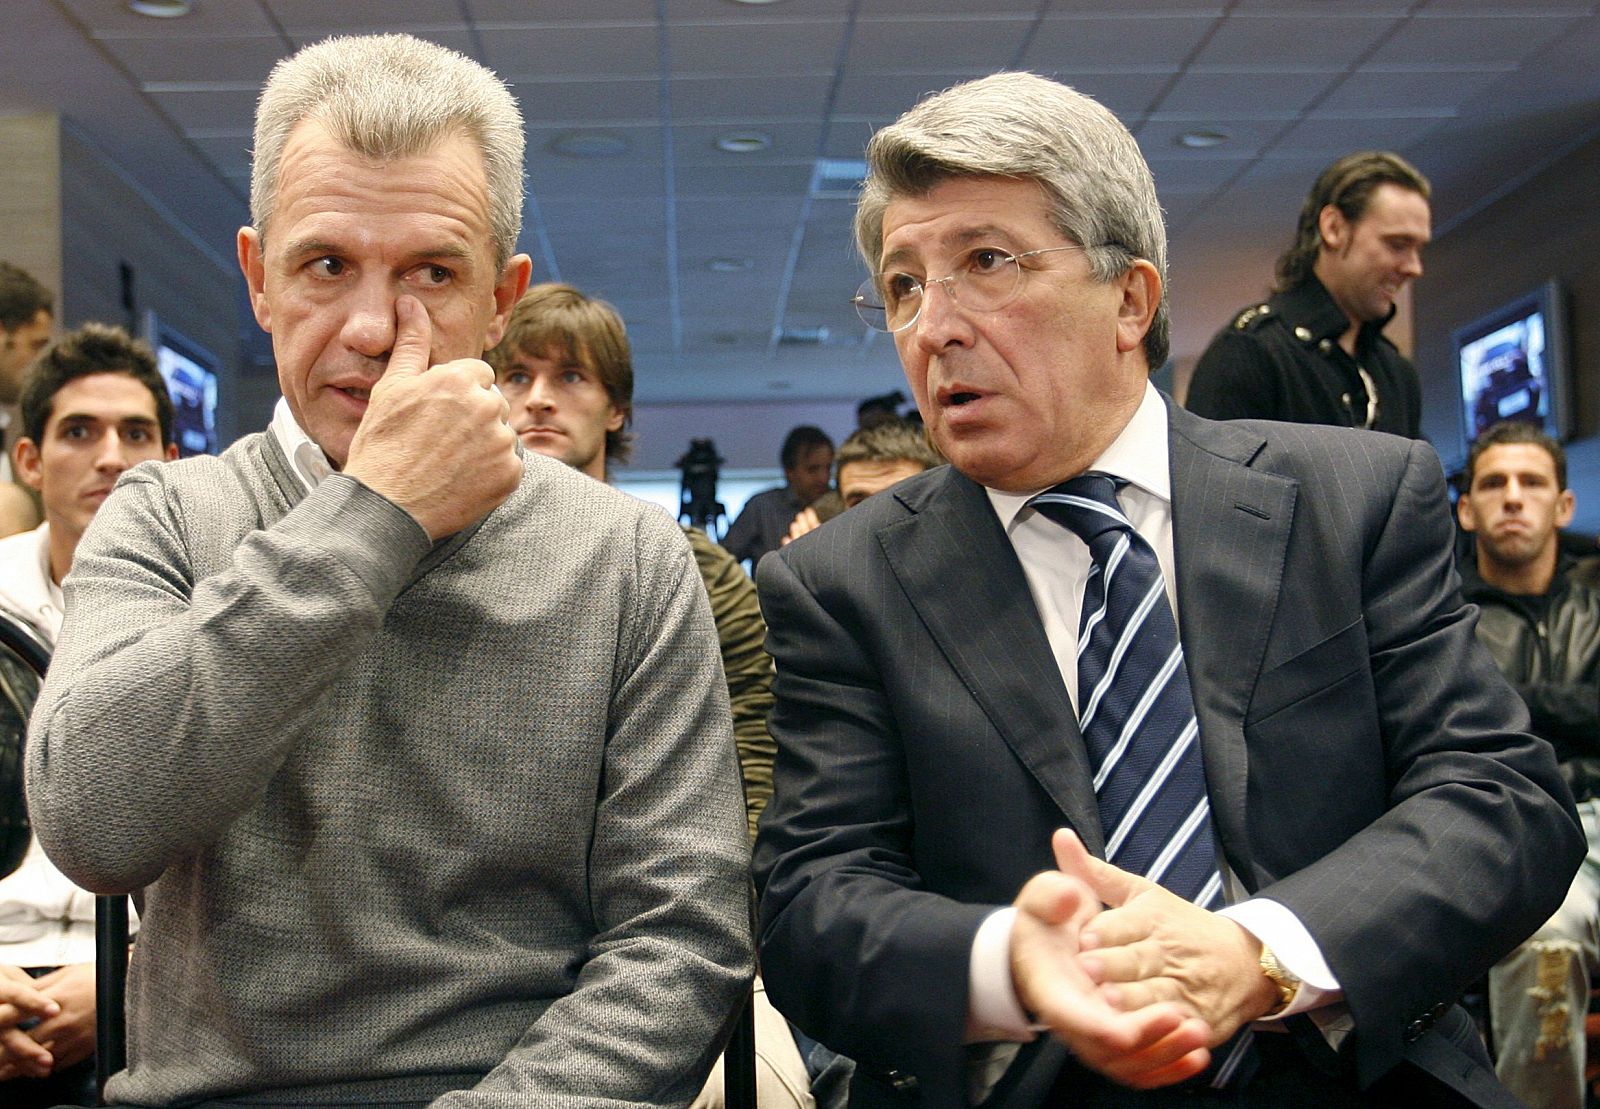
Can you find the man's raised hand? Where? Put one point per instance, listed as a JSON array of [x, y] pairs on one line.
[[1150, 946], [434, 439], [1155, 1045]]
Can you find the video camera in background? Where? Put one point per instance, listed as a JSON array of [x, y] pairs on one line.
[[697, 495]]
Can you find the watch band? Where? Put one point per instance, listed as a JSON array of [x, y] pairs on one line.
[[1287, 982]]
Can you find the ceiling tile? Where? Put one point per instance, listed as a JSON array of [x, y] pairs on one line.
[[1322, 41], [1237, 91], [643, 145], [578, 103], [1426, 91], [1469, 40], [230, 154], [1159, 135], [1163, 41], [779, 95], [560, 11], [319, 18], [214, 109], [1323, 133], [593, 53], [230, 58], [733, 49], [107, 19], [894, 46], [708, 181], [792, 142]]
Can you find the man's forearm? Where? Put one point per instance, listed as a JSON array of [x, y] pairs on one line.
[[176, 695]]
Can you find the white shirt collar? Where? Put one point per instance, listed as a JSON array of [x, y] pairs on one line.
[[1138, 455], [310, 465]]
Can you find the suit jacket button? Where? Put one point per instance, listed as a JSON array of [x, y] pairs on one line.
[[1440, 1010], [903, 1083], [1414, 1031]]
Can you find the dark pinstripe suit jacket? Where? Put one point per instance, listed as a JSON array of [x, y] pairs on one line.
[[1367, 765]]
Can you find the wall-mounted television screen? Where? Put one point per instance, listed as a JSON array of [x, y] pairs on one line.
[[1513, 364], [190, 372]]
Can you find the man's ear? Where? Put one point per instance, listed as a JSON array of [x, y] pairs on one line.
[[1141, 296], [1566, 504], [508, 290], [172, 452], [1465, 513], [25, 461], [255, 275], [1333, 227]]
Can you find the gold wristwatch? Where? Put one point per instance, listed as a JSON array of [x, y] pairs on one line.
[[1282, 977]]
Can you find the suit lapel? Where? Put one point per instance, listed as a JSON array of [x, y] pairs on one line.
[[962, 577], [1230, 529]]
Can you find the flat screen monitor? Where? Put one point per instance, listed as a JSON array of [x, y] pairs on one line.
[[190, 372], [1513, 364]]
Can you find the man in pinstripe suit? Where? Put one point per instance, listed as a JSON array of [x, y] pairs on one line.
[[1384, 826]]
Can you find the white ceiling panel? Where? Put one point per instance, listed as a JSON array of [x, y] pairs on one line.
[[230, 58], [1384, 91], [458, 39], [1469, 40], [895, 46], [581, 103], [1321, 133], [593, 53], [215, 17], [738, 50], [1237, 91], [782, 94], [318, 18], [1151, 41], [792, 142], [1294, 40]]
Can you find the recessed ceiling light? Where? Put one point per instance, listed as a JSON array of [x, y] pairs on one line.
[[588, 144], [1202, 140], [728, 265], [744, 142], [161, 9]]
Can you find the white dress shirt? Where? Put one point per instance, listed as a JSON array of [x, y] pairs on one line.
[[1056, 564], [45, 920], [310, 465]]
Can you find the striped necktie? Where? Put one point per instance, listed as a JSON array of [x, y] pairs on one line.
[[1136, 713], [1135, 709]]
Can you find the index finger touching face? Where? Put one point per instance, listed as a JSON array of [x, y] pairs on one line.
[[412, 352]]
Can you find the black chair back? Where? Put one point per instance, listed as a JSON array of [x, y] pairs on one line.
[[23, 660]]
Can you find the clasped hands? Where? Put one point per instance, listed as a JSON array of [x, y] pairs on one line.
[[1139, 983], [62, 1002]]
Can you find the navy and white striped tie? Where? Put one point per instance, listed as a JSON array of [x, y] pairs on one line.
[[1135, 709], [1136, 713]]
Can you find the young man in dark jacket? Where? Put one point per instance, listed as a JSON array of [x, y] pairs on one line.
[[1543, 628]]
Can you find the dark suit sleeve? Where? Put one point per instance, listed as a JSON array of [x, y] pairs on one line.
[[854, 950], [1236, 379], [1475, 839]]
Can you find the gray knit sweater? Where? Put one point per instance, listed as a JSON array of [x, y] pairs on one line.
[[410, 819]]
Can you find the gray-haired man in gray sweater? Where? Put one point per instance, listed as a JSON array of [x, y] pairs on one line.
[[417, 745]]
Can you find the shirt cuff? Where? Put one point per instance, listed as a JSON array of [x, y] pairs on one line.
[[993, 1011], [1278, 928]]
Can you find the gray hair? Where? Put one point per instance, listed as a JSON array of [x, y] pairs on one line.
[[391, 96], [1023, 126]]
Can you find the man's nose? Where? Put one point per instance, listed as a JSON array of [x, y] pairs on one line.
[[941, 320], [369, 326], [540, 395], [112, 456]]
